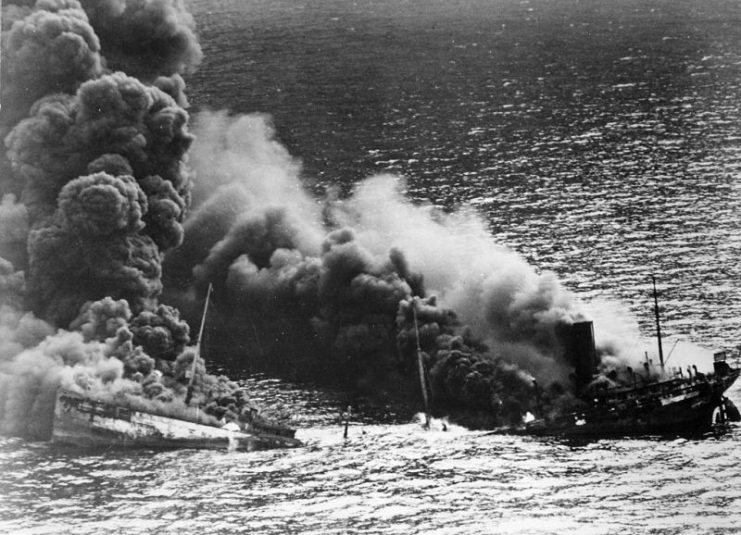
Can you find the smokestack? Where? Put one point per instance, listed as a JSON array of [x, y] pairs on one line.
[[581, 352]]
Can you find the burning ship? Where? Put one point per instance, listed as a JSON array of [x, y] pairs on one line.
[[663, 403], [84, 421], [81, 419], [667, 404]]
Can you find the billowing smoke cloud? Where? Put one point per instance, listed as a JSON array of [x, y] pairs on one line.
[[504, 301], [248, 202], [478, 386], [13, 230], [328, 289], [12, 285], [106, 191], [145, 38], [99, 161], [101, 359], [50, 48], [114, 123]]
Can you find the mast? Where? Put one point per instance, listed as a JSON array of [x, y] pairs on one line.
[[658, 324], [189, 394], [421, 368]]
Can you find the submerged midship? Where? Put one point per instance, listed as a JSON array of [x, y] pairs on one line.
[[652, 403]]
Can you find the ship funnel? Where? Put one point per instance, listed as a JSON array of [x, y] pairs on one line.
[[581, 352], [720, 366]]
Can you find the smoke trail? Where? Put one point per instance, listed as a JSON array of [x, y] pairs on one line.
[[247, 200], [324, 290]]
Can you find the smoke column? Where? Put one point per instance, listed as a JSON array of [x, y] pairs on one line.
[[95, 190]]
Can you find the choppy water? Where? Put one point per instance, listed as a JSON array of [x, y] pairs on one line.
[[382, 479], [601, 140]]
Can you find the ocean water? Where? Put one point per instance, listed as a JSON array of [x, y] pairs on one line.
[[601, 140], [382, 479]]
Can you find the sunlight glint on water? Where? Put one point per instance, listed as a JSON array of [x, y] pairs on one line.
[[600, 142]]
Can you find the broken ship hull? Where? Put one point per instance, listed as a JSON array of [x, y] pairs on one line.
[[86, 422], [679, 406], [691, 411]]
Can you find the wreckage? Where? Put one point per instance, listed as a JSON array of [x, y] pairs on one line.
[[650, 403], [83, 420], [666, 403]]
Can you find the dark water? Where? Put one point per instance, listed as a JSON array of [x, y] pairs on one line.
[[601, 140]]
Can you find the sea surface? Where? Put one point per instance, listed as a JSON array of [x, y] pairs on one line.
[[599, 139]]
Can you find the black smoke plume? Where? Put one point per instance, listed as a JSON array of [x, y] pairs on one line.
[[95, 188], [145, 38], [47, 48], [325, 290], [328, 290]]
